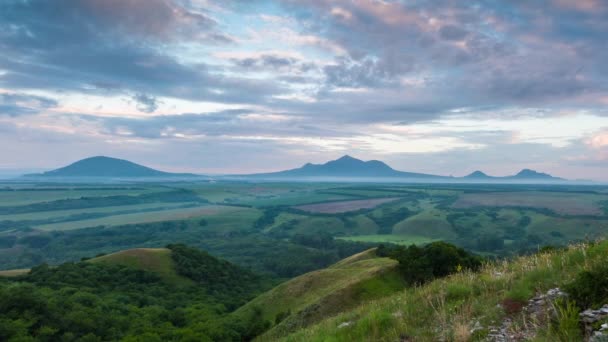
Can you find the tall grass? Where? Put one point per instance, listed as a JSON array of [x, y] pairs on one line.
[[449, 308]]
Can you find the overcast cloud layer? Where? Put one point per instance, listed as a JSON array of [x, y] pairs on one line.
[[437, 86]]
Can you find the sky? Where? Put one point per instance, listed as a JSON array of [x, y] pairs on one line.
[[241, 86]]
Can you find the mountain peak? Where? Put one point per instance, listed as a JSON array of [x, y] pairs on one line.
[[477, 174], [347, 157], [531, 174], [103, 166]]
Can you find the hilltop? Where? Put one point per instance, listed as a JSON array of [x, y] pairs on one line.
[[108, 167], [311, 297]]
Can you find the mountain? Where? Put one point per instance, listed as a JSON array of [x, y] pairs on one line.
[[478, 175], [525, 175], [533, 175], [345, 166], [107, 167]]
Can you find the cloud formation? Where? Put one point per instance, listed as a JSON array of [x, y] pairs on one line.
[[304, 80]]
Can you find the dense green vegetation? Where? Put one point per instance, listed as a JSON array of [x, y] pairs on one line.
[[259, 228], [90, 301], [419, 265]]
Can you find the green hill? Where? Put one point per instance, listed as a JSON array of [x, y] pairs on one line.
[[155, 260], [469, 306], [175, 293], [313, 296]]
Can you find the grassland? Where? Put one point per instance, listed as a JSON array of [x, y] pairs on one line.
[[34, 195], [461, 307], [156, 260], [14, 273], [313, 296], [562, 203], [58, 214], [494, 220], [157, 216], [394, 239], [344, 206]]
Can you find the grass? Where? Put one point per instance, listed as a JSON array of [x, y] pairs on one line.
[[156, 216], [345, 206], [56, 214], [396, 239], [430, 223], [448, 308], [560, 202], [14, 273], [156, 260], [13, 198], [313, 296]]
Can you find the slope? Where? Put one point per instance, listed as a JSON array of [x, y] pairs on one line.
[[466, 306], [311, 297]]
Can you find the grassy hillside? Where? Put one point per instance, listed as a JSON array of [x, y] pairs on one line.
[[465, 306], [155, 260], [14, 273], [311, 297]]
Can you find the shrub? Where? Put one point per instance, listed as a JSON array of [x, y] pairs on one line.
[[458, 291], [590, 288], [438, 259]]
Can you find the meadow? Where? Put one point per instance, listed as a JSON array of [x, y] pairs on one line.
[[261, 225]]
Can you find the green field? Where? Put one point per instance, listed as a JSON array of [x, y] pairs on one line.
[[156, 216], [229, 217], [395, 239]]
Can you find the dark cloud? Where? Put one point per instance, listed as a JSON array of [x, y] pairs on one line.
[[145, 103], [114, 45], [14, 104], [452, 32]]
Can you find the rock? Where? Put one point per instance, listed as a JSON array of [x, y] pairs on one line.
[[477, 326], [344, 324]]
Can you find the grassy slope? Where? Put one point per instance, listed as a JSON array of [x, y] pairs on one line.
[[14, 273], [320, 294], [447, 309], [157, 260]]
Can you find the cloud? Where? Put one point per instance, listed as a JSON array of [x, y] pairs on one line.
[[145, 103], [17, 104], [119, 46]]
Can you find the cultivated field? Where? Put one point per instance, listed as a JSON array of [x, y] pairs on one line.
[[562, 203], [254, 223], [156, 216], [344, 206]]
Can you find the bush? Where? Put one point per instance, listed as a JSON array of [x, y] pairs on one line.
[[438, 259], [590, 288]]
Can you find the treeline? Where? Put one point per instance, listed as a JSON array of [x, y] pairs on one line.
[[281, 258]]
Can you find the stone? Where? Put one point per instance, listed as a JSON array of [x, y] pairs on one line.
[[344, 324]]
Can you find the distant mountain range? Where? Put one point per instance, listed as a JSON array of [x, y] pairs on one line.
[[345, 168], [107, 167], [349, 167]]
